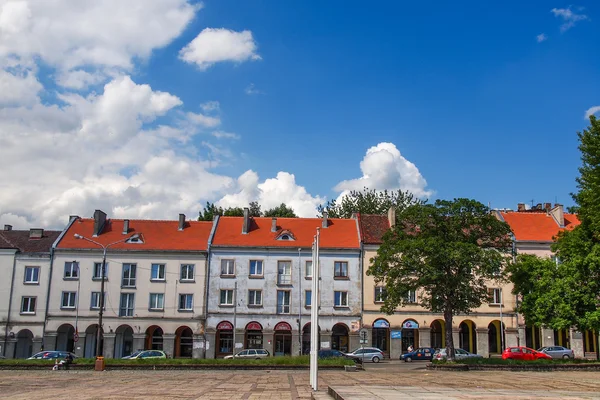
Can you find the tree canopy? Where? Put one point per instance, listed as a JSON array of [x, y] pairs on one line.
[[282, 211], [448, 251], [211, 209]]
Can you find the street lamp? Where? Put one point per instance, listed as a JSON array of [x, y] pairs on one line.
[[104, 248]]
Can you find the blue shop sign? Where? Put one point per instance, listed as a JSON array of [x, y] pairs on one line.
[[396, 334]]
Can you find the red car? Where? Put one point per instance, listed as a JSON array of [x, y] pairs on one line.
[[524, 353]]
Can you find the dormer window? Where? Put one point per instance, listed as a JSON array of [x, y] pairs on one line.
[[285, 235], [135, 240]]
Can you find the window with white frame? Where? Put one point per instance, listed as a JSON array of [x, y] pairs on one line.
[[255, 298], [340, 269], [32, 275], [284, 272], [187, 273], [308, 269], [71, 270], [28, 305], [379, 294], [226, 298], [307, 298], [186, 302], [95, 301], [97, 273], [157, 301], [283, 302], [228, 267], [127, 305], [411, 297], [129, 275], [68, 300], [256, 268], [340, 299], [157, 272], [495, 296]]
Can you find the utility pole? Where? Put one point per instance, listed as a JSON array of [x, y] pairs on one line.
[[314, 324], [234, 313]]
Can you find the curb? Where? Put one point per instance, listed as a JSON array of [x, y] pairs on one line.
[[519, 367], [163, 367]]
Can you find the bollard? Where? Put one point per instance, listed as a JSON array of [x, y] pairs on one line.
[[99, 364]]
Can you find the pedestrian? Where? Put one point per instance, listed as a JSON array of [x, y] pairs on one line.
[[410, 348]]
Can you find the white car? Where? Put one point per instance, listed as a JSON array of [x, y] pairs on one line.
[[372, 354], [459, 354], [251, 354]]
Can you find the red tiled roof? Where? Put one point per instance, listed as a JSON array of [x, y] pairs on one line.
[[20, 240], [341, 233], [156, 235], [373, 227], [537, 226]]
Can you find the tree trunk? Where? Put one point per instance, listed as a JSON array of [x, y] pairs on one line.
[[449, 336]]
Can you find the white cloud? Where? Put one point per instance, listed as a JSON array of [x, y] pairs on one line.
[[251, 89], [18, 88], [79, 79], [225, 135], [569, 17], [216, 45], [210, 106], [592, 111], [542, 37], [202, 120], [383, 167]]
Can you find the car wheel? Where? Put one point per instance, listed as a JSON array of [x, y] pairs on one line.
[[408, 359], [375, 359], [566, 356]]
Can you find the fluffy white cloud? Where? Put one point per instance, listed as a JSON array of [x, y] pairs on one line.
[[569, 17], [383, 167], [542, 37], [225, 135], [18, 88], [592, 111], [216, 45]]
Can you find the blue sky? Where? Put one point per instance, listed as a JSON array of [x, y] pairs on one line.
[[484, 99]]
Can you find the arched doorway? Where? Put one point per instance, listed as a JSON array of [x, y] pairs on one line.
[[306, 339], [339, 337], [495, 340], [467, 337], [65, 338], [590, 341], [224, 339], [533, 337], [154, 338], [380, 336], [89, 349], [24, 348], [254, 336], [124, 341], [438, 334], [184, 340], [410, 334], [562, 338], [283, 339]]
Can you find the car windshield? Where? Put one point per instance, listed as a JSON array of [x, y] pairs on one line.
[[137, 353]]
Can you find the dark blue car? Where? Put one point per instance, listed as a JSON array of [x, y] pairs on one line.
[[422, 353]]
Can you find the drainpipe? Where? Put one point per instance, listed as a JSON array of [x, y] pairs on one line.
[[207, 274], [12, 286]]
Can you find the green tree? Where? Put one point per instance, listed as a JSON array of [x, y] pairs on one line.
[[449, 251], [233, 212], [367, 201], [255, 209], [209, 212], [281, 211]]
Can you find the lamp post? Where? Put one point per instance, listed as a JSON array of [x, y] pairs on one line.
[[104, 248]]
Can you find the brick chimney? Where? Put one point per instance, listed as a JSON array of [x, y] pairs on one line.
[[99, 221], [392, 216], [558, 214], [521, 207], [181, 222], [325, 223], [246, 225], [274, 224], [125, 226], [36, 233], [8, 227]]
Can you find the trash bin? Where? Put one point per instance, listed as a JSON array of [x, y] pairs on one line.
[[99, 364]]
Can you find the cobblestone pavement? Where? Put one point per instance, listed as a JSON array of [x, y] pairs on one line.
[[270, 384]]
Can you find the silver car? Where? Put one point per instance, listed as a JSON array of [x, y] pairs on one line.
[[372, 354], [558, 352], [250, 354], [459, 354]]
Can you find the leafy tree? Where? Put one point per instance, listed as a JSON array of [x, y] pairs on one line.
[[209, 212], [233, 212], [255, 209], [449, 251], [282, 211], [367, 201]]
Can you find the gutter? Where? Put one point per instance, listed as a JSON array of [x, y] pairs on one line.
[[12, 286]]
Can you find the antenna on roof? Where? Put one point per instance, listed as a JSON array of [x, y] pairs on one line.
[[532, 200]]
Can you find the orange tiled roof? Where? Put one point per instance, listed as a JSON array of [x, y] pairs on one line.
[[537, 226], [340, 234], [157, 235]]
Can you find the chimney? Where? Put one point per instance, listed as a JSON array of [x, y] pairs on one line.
[[325, 223], [392, 216], [548, 207], [558, 214], [125, 226], [36, 233], [8, 227], [246, 225], [99, 220], [521, 207], [274, 224], [72, 217], [181, 222]]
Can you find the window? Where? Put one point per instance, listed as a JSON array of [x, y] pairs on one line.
[[379, 294], [283, 302], [129, 273], [226, 297], [340, 299], [495, 296], [68, 300], [284, 272], [186, 302], [256, 268], [32, 275], [157, 301], [157, 272], [411, 297], [98, 271], [71, 270], [95, 302], [28, 305], [255, 298], [187, 273], [307, 298], [308, 269], [127, 305], [228, 267], [340, 269]]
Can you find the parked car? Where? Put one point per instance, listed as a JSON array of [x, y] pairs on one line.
[[558, 352], [372, 354], [337, 353], [422, 353], [251, 354], [146, 354], [523, 353], [51, 355], [459, 354]]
